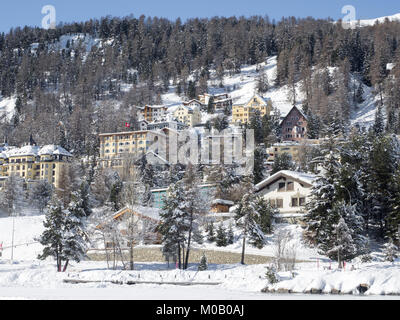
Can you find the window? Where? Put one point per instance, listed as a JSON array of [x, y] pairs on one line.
[[302, 202], [272, 202], [290, 186], [282, 187], [279, 203], [295, 202]]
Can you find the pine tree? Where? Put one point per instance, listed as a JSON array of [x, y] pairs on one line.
[[393, 216], [221, 239], [52, 238], [343, 246], [266, 212], [319, 223], [174, 222], [230, 234], [282, 162], [84, 195], [247, 218], [259, 157], [74, 235], [198, 236], [211, 232], [391, 251], [379, 125], [359, 96], [41, 194], [203, 266]]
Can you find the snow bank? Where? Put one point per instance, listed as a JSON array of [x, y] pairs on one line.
[[375, 279]]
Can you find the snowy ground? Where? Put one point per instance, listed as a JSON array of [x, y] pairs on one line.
[[28, 278]]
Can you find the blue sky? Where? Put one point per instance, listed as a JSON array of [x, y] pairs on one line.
[[28, 12]]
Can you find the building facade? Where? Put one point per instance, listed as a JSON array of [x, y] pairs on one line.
[[153, 113], [242, 114], [288, 191], [293, 148], [116, 148], [294, 126], [191, 116], [34, 163], [220, 102]]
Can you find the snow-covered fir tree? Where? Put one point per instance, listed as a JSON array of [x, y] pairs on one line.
[[247, 219], [174, 222], [75, 239], [221, 238], [210, 231], [323, 197], [52, 239], [391, 251], [64, 237], [203, 266], [41, 194]]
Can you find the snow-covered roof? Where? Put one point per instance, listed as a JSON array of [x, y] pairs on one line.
[[24, 151], [306, 178], [224, 202], [29, 150], [149, 212], [54, 150]]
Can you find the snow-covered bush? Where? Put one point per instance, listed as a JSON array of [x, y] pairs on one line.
[[272, 275]]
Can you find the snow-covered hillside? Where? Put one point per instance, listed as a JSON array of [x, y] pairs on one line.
[[371, 22], [241, 87], [7, 108]]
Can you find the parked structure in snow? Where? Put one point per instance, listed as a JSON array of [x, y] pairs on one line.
[[288, 191]]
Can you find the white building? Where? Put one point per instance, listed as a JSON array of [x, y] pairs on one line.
[[288, 191]]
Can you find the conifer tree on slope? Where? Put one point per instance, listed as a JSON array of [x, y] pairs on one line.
[[347, 239], [174, 222], [383, 162], [323, 197], [393, 216], [75, 237], [221, 240], [41, 194], [52, 237], [64, 237], [195, 204], [247, 219]]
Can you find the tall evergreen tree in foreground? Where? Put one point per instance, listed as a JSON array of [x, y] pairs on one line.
[[247, 218], [64, 237], [174, 223]]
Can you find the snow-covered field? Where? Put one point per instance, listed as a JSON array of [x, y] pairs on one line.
[[28, 278]]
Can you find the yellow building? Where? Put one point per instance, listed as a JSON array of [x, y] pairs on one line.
[[116, 147], [188, 115], [294, 149], [34, 163], [241, 114]]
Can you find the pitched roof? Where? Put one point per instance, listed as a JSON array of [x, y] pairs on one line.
[[146, 212], [306, 178]]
